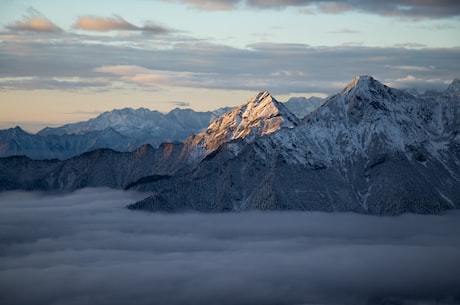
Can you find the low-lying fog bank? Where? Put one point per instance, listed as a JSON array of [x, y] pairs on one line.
[[86, 248]]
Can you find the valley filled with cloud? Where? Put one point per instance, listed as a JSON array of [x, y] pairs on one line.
[[87, 248]]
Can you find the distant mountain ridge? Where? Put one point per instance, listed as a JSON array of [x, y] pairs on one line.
[[138, 122], [121, 130]]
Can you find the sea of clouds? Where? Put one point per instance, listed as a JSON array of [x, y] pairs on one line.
[[87, 248]]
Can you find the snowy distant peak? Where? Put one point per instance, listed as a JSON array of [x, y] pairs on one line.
[[13, 131], [118, 116], [454, 88]]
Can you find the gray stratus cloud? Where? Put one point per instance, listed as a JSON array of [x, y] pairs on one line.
[[279, 68], [408, 8], [34, 21], [86, 248], [115, 23]]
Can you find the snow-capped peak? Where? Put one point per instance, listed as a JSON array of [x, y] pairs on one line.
[[263, 107], [364, 86], [365, 94], [261, 115]]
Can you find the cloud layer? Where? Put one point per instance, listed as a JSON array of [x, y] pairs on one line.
[[407, 8], [85, 248], [160, 62]]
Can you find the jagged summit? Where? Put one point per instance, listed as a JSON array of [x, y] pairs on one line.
[[359, 82], [263, 107], [366, 96], [454, 88], [261, 115], [365, 87]]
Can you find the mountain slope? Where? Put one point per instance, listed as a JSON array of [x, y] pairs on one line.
[[98, 168], [370, 149]]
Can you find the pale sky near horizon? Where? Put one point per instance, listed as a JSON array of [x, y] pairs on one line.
[[67, 61]]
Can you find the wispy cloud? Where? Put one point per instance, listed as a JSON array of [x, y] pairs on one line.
[[410, 45], [214, 5], [115, 23], [411, 68], [345, 31], [179, 104], [34, 21]]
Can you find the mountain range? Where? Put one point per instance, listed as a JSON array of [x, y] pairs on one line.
[[121, 130], [368, 149]]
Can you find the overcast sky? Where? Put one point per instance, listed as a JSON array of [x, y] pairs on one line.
[[66, 61], [86, 248]]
